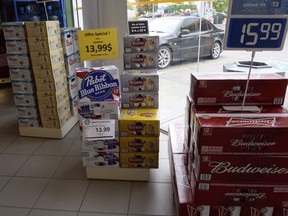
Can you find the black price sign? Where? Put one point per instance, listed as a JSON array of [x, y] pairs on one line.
[[138, 27]]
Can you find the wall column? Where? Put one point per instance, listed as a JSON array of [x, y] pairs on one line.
[[106, 14]]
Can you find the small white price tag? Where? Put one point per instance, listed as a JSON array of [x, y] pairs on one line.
[[98, 129]]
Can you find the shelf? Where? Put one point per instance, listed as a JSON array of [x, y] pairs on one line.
[[49, 132], [130, 174]]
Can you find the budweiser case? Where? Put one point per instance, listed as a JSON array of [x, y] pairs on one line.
[[235, 133], [229, 88], [241, 194], [240, 168], [98, 84], [184, 199]]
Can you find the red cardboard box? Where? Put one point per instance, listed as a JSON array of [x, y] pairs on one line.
[[183, 197], [239, 194], [229, 88], [187, 205], [241, 169], [264, 211], [241, 133]]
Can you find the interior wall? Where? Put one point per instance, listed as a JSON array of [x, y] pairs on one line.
[[106, 14]]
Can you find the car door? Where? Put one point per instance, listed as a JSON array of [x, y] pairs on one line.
[[206, 38], [189, 38]]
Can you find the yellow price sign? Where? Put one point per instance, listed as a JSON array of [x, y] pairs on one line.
[[98, 44]]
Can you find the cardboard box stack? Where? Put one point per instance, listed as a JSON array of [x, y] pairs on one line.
[[38, 74], [3, 57], [139, 122], [98, 110], [230, 160], [72, 61], [21, 74]]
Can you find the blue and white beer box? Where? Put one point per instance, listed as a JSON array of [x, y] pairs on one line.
[[98, 84]]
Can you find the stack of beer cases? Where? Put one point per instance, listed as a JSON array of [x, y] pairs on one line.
[[72, 61], [237, 158], [4, 69], [98, 111], [139, 119], [37, 69], [21, 74], [47, 60]]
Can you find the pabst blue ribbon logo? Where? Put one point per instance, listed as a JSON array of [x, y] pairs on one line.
[[98, 86]]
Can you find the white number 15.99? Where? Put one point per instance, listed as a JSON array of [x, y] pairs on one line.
[[266, 29]]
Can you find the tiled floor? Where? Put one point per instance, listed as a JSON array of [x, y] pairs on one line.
[[45, 177]]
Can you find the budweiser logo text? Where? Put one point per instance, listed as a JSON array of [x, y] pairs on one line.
[[240, 94], [251, 143], [226, 167], [246, 195]]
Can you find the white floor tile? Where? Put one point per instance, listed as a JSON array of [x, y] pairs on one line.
[[54, 147], [73, 133], [99, 214], [75, 149], [10, 163], [5, 142], [162, 174], [8, 211], [40, 166], [163, 149], [151, 199], [3, 181], [39, 212], [11, 128], [71, 168], [107, 197], [24, 145], [64, 195], [22, 192]]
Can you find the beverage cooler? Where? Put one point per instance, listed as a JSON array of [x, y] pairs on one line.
[[39, 10]]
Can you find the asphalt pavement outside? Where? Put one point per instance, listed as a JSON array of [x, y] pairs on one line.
[[175, 80]]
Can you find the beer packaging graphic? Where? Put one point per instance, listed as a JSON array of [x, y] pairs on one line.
[[210, 89], [98, 84]]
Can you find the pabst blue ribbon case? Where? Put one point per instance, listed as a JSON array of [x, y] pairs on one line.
[[229, 88], [98, 84], [218, 131]]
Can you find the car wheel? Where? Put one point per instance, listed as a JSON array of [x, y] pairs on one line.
[[215, 50], [164, 57]]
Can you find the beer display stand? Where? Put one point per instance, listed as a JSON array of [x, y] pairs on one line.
[[49, 132]]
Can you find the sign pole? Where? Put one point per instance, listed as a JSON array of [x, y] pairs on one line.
[[248, 79]]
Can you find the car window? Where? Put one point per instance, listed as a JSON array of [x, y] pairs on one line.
[[190, 24], [204, 26]]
